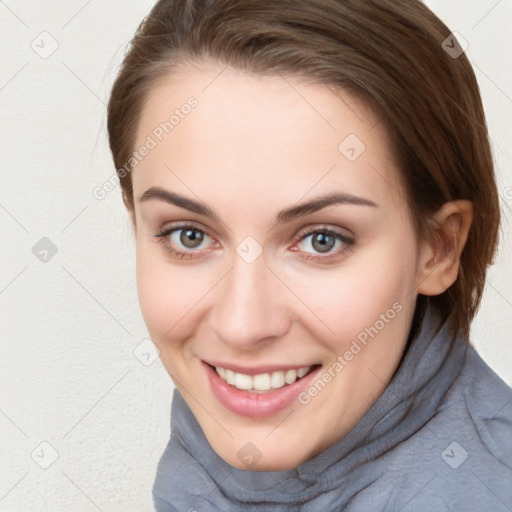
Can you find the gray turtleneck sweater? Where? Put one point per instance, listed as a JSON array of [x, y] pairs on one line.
[[438, 439]]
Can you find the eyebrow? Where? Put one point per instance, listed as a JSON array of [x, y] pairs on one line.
[[286, 215]]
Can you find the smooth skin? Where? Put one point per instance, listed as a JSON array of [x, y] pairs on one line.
[[253, 146]]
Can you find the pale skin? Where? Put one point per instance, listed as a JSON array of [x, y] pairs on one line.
[[252, 147]]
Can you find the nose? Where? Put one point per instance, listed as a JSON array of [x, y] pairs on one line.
[[249, 307]]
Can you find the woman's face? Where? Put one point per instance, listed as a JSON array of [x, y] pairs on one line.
[[255, 275]]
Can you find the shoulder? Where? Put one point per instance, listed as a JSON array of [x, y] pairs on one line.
[[461, 459], [489, 403]]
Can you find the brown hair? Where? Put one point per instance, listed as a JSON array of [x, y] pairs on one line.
[[388, 52]]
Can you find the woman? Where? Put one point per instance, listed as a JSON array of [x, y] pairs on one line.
[[313, 199]]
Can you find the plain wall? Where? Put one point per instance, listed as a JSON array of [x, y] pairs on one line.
[[69, 376]]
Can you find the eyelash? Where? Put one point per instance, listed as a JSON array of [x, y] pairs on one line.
[[348, 242]]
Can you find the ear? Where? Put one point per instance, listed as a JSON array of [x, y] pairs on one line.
[[439, 258]]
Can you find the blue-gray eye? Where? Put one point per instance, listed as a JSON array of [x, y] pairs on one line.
[[324, 240], [190, 237]]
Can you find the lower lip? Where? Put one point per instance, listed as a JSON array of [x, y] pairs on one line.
[[255, 405]]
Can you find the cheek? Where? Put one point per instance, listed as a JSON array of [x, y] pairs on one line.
[[161, 291], [171, 296], [353, 298], [153, 298]]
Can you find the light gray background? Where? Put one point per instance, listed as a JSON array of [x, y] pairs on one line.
[[69, 326]]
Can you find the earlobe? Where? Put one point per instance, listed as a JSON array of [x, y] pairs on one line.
[[440, 257]]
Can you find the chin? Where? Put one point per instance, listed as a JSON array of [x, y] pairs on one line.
[[277, 461]]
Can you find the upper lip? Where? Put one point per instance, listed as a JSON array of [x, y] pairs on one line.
[[256, 370]]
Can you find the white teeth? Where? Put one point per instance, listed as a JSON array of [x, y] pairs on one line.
[[243, 381], [290, 377], [277, 380], [301, 372], [263, 381], [230, 377]]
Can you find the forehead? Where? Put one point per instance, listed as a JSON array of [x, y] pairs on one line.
[[252, 134]]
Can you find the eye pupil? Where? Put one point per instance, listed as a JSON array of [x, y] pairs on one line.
[[323, 242], [191, 237]]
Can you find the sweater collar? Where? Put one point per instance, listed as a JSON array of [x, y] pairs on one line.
[[431, 363]]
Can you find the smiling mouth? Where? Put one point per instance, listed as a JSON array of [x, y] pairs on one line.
[[263, 382]]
